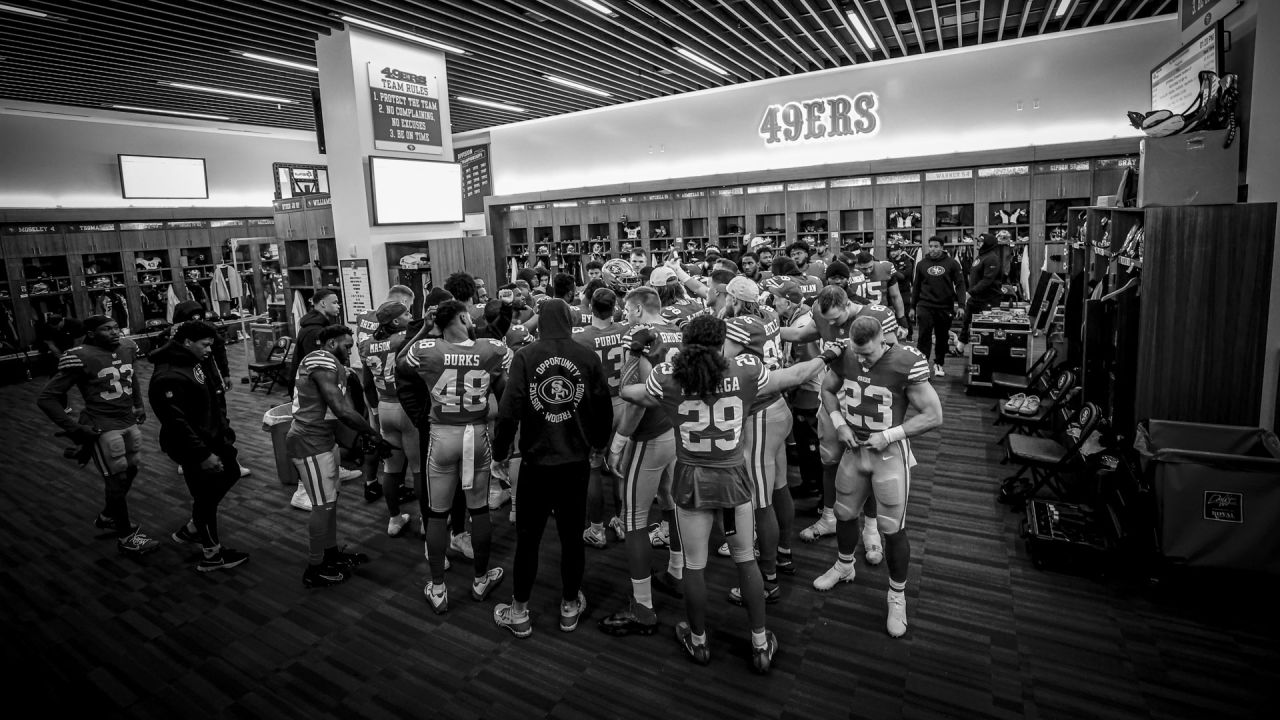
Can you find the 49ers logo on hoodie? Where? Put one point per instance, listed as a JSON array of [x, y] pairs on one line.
[[556, 388]]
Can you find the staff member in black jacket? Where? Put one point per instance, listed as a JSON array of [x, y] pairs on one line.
[[187, 398], [557, 397], [984, 281], [938, 288]]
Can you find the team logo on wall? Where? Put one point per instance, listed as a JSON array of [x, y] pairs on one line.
[[556, 389], [826, 118]]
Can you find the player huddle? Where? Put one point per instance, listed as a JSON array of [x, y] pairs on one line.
[[709, 376]]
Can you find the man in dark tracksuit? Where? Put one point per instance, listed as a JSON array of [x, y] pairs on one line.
[[187, 397], [557, 397], [937, 289], [984, 281]]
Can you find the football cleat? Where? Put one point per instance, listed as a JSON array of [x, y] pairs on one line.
[[635, 620], [762, 657], [485, 584], [700, 654], [834, 576]]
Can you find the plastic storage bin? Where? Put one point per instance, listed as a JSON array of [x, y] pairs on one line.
[[277, 421], [1217, 493]]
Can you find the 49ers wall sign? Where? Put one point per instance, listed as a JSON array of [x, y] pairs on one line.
[[825, 118]]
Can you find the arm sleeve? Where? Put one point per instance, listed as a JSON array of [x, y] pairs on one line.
[[164, 396], [370, 390], [510, 410], [53, 398], [601, 426]]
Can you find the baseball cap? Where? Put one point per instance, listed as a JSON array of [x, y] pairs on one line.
[[389, 311], [744, 289], [787, 290], [661, 276]]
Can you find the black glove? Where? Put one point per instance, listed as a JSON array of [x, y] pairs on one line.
[[643, 341], [83, 435], [376, 446], [831, 351]]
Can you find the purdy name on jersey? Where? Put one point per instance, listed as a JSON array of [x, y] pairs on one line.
[[610, 345]]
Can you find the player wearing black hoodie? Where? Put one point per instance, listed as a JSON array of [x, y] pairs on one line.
[[187, 397], [557, 397]]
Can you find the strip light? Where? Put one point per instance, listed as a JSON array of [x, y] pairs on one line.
[[577, 85], [401, 34], [1063, 7], [22, 11], [856, 20], [695, 57], [276, 61], [233, 93], [132, 108], [598, 7], [488, 103]]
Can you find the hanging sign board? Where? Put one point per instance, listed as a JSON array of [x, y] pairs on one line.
[[1199, 14], [357, 295], [475, 177], [406, 110]]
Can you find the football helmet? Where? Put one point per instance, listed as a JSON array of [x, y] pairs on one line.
[[152, 263], [413, 261], [618, 273]]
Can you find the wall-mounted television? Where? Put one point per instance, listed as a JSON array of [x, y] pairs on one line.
[[1175, 82], [410, 192], [152, 177]]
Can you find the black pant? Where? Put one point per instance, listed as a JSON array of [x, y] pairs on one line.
[[805, 428], [544, 488], [207, 490], [934, 324], [971, 308]]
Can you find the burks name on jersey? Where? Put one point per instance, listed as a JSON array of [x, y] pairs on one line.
[[556, 389]]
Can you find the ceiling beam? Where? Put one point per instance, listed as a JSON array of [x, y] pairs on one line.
[[893, 25]]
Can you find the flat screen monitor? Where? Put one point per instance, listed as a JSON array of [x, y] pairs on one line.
[[150, 177], [409, 192], [1176, 81]]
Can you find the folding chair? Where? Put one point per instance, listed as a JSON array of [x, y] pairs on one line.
[[1063, 389], [266, 374], [1047, 458], [1037, 375]]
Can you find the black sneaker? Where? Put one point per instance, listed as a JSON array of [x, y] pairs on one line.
[[786, 564], [700, 654], [350, 561], [372, 492], [325, 575], [136, 544], [184, 536], [635, 620], [224, 560]]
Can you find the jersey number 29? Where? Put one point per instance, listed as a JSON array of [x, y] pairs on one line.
[[725, 414]]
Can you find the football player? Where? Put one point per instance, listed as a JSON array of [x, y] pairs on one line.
[[378, 352], [458, 374], [320, 402], [102, 369], [643, 453], [866, 395], [607, 339], [366, 325], [705, 396], [879, 284]]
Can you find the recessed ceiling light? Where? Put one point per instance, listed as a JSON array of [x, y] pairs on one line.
[[133, 108], [276, 61], [856, 20], [1063, 7], [488, 103], [222, 91], [401, 34], [576, 85], [598, 7], [685, 52]]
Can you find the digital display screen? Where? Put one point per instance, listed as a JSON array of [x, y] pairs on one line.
[[149, 177], [407, 192]]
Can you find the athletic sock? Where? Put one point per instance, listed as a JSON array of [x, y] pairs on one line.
[[759, 639], [869, 524], [898, 587], [771, 578], [829, 514], [643, 591], [843, 559], [701, 638], [675, 565]]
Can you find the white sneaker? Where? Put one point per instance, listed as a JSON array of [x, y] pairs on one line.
[[660, 536], [826, 525], [834, 576], [461, 543], [896, 624], [397, 523], [871, 545], [723, 550], [245, 472], [938, 371], [498, 498], [345, 475], [301, 500]]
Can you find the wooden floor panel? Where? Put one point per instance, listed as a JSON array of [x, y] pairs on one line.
[[990, 636]]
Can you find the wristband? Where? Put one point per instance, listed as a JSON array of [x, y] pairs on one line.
[[837, 419], [619, 444], [894, 434]]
